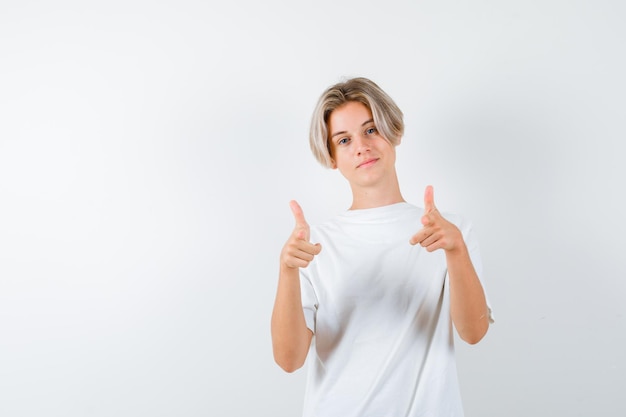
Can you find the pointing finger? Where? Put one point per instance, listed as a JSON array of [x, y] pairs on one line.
[[302, 230], [429, 199], [298, 214]]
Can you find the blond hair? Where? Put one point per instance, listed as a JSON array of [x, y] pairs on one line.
[[387, 115]]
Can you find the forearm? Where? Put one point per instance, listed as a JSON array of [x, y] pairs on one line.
[[290, 336], [468, 306]]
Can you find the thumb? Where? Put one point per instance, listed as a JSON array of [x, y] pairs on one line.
[[429, 199]]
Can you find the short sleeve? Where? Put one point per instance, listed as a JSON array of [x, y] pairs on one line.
[[309, 299]]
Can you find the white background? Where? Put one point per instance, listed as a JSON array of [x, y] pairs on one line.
[[148, 152]]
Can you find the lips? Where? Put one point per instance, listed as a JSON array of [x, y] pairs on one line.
[[367, 163]]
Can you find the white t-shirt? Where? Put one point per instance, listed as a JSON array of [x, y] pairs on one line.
[[379, 309]]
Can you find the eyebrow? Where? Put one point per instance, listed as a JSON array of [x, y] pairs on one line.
[[343, 131]]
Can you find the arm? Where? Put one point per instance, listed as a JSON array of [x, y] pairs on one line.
[[468, 306], [290, 336]]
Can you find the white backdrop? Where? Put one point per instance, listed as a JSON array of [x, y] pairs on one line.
[[148, 151]]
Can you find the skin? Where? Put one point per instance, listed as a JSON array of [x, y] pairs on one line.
[[354, 141], [290, 336], [367, 161]]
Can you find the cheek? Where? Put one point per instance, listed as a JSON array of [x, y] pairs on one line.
[[343, 157]]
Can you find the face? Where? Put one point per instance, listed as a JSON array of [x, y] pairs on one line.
[[358, 150]]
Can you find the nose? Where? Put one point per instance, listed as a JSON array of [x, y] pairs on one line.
[[362, 144]]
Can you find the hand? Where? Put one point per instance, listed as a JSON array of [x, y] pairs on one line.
[[437, 233], [298, 251]]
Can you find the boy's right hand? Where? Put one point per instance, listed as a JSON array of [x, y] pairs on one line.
[[298, 251]]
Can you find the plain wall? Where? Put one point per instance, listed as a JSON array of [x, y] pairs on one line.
[[148, 152]]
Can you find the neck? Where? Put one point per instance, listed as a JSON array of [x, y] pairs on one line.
[[383, 194]]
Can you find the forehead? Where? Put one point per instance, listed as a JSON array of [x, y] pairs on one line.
[[348, 116]]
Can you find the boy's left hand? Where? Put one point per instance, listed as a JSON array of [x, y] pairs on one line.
[[437, 232]]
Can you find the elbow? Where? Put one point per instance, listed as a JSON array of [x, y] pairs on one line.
[[288, 364], [291, 353], [475, 335], [290, 368], [288, 358], [473, 339]]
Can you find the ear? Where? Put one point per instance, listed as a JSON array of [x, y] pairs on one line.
[[333, 164]]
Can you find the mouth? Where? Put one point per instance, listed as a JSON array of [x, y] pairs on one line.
[[367, 163]]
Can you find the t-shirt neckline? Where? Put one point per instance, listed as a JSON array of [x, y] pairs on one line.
[[387, 212]]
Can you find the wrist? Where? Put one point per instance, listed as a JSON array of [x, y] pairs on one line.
[[286, 269], [458, 249]]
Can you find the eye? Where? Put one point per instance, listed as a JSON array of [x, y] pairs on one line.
[[342, 141], [370, 131]]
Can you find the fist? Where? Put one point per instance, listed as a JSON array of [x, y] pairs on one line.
[[298, 251]]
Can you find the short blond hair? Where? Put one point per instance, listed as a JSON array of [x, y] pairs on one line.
[[388, 117]]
